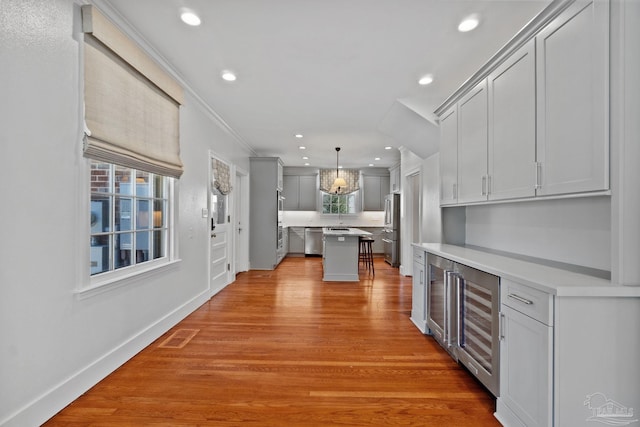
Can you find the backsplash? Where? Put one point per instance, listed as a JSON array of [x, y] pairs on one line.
[[316, 219]]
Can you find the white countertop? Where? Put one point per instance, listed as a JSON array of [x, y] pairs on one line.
[[548, 279], [345, 231]]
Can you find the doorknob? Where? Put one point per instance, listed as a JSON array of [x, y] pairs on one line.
[[213, 235]]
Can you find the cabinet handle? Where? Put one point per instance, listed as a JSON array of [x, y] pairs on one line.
[[484, 185], [488, 184], [519, 298], [538, 175], [455, 191], [501, 326]]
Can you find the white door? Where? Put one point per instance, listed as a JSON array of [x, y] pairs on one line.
[[220, 245]]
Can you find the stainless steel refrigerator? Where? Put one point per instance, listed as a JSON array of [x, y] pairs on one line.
[[391, 231]]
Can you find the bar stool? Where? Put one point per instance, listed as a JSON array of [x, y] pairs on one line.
[[365, 254]]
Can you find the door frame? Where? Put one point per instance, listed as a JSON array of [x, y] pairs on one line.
[[230, 230], [241, 213]]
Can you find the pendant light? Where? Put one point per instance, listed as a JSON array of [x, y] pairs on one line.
[[339, 184]]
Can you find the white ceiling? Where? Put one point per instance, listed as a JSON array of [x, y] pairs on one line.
[[340, 72]]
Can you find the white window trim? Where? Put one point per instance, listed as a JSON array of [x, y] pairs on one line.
[[96, 284]]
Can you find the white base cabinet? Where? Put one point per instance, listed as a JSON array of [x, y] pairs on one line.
[[419, 291], [526, 364], [567, 360]]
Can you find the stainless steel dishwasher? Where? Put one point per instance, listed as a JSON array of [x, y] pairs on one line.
[[313, 241]]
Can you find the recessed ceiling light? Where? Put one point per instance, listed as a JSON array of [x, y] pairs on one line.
[[298, 135], [340, 167], [377, 158], [388, 147], [302, 147], [305, 158], [425, 80], [469, 23], [189, 17], [306, 164], [370, 164], [228, 76]]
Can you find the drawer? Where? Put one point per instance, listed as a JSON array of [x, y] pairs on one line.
[[418, 255], [527, 300]]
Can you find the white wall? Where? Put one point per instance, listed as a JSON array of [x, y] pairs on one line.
[[574, 231], [431, 213], [55, 343]]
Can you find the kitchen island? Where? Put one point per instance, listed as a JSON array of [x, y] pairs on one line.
[[340, 253]]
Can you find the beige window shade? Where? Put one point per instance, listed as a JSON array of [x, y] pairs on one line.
[[221, 176], [351, 176], [132, 106]]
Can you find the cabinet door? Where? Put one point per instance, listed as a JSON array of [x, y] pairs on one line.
[[308, 193], [512, 126], [573, 144], [371, 193], [296, 240], [472, 145], [290, 191], [526, 368], [449, 157], [418, 297]]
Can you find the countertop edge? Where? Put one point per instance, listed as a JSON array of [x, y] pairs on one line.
[[548, 279]]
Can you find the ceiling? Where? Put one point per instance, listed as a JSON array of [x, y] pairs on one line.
[[340, 72]]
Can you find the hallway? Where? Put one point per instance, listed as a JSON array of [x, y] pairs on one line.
[[282, 348]]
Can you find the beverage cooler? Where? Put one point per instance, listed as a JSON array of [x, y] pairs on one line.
[[463, 315]]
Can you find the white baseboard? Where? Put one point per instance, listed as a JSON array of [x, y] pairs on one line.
[[55, 399]]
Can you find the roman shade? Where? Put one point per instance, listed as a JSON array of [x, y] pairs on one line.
[[221, 176], [351, 176], [131, 105]]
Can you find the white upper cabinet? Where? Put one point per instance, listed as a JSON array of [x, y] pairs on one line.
[[572, 59], [449, 157], [533, 121], [512, 126], [472, 145]]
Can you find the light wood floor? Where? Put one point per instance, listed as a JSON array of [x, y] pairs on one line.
[[282, 348]]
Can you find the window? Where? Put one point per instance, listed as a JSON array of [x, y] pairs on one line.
[[129, 217], [338, 203]]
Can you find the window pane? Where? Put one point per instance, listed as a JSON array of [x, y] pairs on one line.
[[218, 206], [122, 180], [99, 254], [142, 215], [123, 214], [122, 250], [143, 184], [159, 244], [100, 211], [142, 246], [158, 186], [100, 177], [158, 213]]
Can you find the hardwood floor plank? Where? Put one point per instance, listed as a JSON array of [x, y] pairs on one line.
[[283, 348]]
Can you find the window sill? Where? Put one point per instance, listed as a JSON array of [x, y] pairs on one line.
[[111, 281]]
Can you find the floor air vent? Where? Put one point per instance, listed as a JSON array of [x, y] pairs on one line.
[[179, 338]]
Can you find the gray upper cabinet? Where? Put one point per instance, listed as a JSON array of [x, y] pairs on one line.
[[573, 143], [374, 189], [300, 192]]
